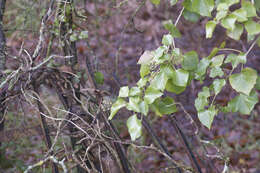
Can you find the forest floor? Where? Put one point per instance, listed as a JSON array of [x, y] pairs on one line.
[[118, 34]]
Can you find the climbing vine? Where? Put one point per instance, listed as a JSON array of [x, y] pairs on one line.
[[168, 70]]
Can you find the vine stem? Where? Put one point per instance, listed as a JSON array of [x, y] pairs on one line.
[[252, 46], [178, 18]]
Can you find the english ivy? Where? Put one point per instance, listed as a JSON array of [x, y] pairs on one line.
[[168, 70]]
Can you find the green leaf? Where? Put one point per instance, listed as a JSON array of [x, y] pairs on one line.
[[204, 93], [249, 8], [167, 69], [168, 25], [187, 4], [200, 103], [144, 70], [99, 77], [173, 2], [135, 91], [240, 14], [124, 91], [229, 22], [245, 81], [144, 108], [180, 77], [236, 59], [213, 52], [151, 94], [257, 5], [202, 68], [210, 27], [83, 35], [120, 103], [217, 60], [243, 103], [223, 6], [165, 106], [146, 58], [206, 117], [159, 81], [257, 85], [191, 16], [190, 61], [203, 7], [167, 40], [178, 57], [155, 2], [216, 71], [134, 126], [133, 104], [252, 27], [221, 14], [218, 84], [159, 52], [142, 82], [171, 87], [236, 33]]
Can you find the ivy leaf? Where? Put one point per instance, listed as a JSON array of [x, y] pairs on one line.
[[99, 77], [124, 91], [202, 68], [236, 33], [216, 71], [133, 104], [240, 14], [167, 70], [229, 22], [144, 108], [243, 103], [204, 93], [200, 103], [159, 52], [249, 8], [218, 84], [155, 2], [213, 52], [167, 40], [206, 117], [142, 82], [171, 87], [159, 81], [257, 85], [178, 57], [223, 6], [221, 14], [217, 60], [203, 7], [168, 25], [144, 70], [191, 16], [151, 94], [245, 81], [165, 106], [180, 77], [120, 103], [134, 126], [190, 61], [146, 58], [173, 2], [252, 27], [236, 59], [135, 91], [210, 27]]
